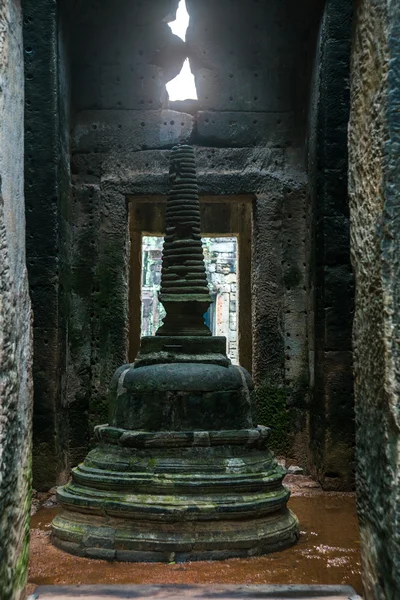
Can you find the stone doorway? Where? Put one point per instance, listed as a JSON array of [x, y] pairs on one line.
[[222, 217]]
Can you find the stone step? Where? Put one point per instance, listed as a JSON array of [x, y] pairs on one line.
[[195, 592]]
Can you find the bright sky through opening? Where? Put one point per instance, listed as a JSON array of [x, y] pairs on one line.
[[183, 86]]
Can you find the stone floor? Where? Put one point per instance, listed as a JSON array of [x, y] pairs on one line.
[[327, 553]]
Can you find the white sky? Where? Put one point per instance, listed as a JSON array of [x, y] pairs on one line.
[[183, 86]]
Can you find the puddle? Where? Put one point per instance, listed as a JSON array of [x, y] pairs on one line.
[[327, 553]]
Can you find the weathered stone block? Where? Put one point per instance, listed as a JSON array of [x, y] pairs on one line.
[[240, 160], [333, 153], [46, 415], [336, 232], [86, 168], [131, 87], [128, 131], [295, 299], [87, 87], [339, 424], [43, 269], [45, 306], [333, 185], [46, 341], [245, 129], [44, 242], [99, 537], [339, 21], [337, 61], [46, 192], [295, 331], [338, 326], [245, 91], [338, 302], [233, 170], [71, 547], [333, 422]]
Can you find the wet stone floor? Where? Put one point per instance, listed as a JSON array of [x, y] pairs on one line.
[[327, 553]]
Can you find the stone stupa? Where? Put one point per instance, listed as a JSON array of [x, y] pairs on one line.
[[180, 472]]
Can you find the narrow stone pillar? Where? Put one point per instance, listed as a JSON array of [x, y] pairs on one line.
[[180, 472]]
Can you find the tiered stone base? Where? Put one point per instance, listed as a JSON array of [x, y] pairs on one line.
[[176, 496], [124, 540]]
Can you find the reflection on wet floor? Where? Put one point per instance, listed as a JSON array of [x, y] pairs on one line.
[[327, 553]]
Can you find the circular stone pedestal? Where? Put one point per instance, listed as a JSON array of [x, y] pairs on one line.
[[176, 496]]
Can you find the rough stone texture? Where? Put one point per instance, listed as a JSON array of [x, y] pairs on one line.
[[15, 316], [234, 129], [127, 131], [47, 198], [375, 235], [331, 418]]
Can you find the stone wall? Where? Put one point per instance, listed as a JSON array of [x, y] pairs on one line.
[[253, 65], [15, 338], [331, 278], [375, 237], [47, 206]]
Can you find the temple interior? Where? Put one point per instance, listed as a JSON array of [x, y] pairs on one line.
[[250, 128]]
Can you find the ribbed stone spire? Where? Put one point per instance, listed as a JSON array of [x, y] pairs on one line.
[[184, 289]]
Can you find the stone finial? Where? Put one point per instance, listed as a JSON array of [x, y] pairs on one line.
[[184, 289]]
